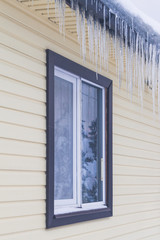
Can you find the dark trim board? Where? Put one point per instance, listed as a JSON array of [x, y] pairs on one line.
[[52, 220]]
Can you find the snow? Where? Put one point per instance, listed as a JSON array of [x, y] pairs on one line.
[[130, 7]]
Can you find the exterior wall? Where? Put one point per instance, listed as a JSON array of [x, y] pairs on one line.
[[136, 141]]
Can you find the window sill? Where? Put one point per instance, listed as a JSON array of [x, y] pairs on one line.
[[85, 207], [79, 216]]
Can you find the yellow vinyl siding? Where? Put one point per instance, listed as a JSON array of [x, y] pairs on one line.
[[24, 37], [22, 193]]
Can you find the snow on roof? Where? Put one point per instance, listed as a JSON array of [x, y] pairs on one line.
[[134, 11]]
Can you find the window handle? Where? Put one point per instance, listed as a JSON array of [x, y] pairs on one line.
[[102, 169]]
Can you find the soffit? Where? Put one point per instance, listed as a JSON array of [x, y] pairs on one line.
[[46, 10]]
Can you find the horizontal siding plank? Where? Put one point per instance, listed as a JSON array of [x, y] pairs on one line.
[[18, 209], [135, 161], [136, 108], [135, 180], [135, 189], [130, 151], [15, 28], [131, 142], [135, 208], [35, 3], [124, 94], [22, 104], [19, 74], [133, 123], [13, 162], [19, 44], [136, 134], [136, 171], [19, 178], [21, 224], [22, 148], [151, 237], [21, 89], [26, 62], [123, 108], [22, 193], [22, 133], [132, 199], [22, 118], [138, 233]]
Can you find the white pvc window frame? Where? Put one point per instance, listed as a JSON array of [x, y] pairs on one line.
[[75, 204]]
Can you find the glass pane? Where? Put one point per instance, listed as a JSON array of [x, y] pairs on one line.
[[91, 143], [63, 139]]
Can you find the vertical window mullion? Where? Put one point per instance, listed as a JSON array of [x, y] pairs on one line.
[[79, 161]]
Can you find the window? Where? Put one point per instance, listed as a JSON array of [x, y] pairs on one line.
[[79, 143]]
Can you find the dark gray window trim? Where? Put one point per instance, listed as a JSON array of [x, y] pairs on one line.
[[52, 220]]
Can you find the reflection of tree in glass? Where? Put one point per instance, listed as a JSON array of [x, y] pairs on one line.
[[89, 163]]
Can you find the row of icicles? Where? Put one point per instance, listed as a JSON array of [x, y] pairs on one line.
[[137, 60]]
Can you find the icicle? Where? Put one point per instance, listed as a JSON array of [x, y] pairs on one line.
[[126, 52], [120, 60], [106, 51], [56, 9], [116, 19], [122, 42], [96, 45], [72, 4], [86, 3], [118, 63], [159, 85], [96, 6], [83, 33], [109, 18], [142, 58], [130, 63], [140, 78], [104, 16], [90, 24], [103, 37], [113, 46], [60, 6], [100, 45], [146, 53], [136, 64], [63, 8], [150, 65], [153, 77], [47, 8], [78, 22], [132, 25], [134, 59]]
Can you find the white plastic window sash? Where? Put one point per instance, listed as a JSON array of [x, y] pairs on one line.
[[70, 78], [103, 139]]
